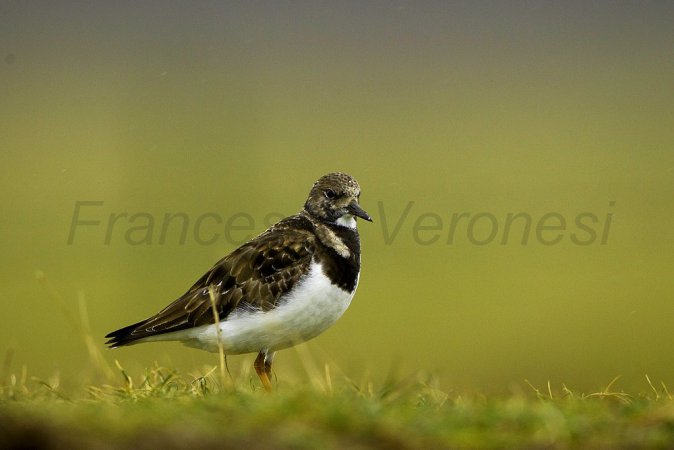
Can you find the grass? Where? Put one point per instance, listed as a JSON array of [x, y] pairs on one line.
[[161, 408], [164, 409]]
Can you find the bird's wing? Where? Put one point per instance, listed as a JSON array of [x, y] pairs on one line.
[[253, 277]]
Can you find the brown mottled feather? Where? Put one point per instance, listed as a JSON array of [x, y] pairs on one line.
[[253, 277]]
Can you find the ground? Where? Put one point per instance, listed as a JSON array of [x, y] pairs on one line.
[[163, 409]]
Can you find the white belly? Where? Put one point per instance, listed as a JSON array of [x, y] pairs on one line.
[[312, 306]]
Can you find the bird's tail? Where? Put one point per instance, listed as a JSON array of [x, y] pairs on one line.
[[126, 336]]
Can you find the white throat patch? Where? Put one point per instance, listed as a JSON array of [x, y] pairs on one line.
[[347, 220]]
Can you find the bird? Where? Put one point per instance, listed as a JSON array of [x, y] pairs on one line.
[[285, 286]]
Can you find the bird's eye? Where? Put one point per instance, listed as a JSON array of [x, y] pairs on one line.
[[330, 194]]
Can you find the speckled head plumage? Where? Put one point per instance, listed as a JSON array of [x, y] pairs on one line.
[[333, 197]]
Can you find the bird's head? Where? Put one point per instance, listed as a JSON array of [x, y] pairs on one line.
[[334, 199]]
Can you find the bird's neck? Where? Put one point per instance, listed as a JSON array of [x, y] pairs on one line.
[[339, 237]]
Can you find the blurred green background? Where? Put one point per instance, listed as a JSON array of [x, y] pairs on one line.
[[458, 107]]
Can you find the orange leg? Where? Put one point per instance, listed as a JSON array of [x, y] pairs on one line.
[[262, 366]]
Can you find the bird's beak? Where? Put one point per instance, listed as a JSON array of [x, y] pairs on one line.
[[355, 209]]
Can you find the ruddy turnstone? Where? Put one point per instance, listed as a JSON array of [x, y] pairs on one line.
[[286, 286]]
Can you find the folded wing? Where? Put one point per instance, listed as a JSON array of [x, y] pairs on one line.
[[253, 277]]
